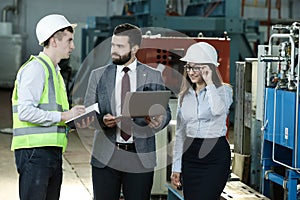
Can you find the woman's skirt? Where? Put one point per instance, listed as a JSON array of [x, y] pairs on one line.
[[205, 168]]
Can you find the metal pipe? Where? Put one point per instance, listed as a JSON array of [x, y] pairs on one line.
[[5, 11], [290, 9], [243, 8], [16, 4], [278, 6], [280, 35], [297, 109], [270, 58], [13, 8], [269, 17]]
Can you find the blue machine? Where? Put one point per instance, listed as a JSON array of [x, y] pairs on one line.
[[281, 137]]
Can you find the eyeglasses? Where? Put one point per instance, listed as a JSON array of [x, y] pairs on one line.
[[189, 68]]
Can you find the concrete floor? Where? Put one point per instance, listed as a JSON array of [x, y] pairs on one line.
[[77, 184]]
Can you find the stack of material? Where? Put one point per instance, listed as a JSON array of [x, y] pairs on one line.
[[239, 191]]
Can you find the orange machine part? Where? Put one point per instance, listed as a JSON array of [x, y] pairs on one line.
[[168, 50]]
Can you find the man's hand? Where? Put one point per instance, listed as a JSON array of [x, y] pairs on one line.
[[75, 111], [85, 123], [110, 120], [154, 121]]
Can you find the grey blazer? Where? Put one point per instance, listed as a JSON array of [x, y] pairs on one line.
[[100, 89]]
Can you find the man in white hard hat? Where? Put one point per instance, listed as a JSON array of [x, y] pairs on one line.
[[40, 108]]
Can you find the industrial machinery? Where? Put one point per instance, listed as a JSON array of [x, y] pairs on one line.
[[281, 139], [209, 18]]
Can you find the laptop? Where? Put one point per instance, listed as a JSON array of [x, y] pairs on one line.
[[145, 103]]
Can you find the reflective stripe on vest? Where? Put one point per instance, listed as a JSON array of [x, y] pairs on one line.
[[51, 88], [41, 106], [26, 134], [37, 130]]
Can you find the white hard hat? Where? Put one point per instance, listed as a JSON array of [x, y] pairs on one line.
[[49, 24], [201, 52]]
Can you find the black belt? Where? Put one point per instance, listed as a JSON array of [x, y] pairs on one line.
[[125, 146]]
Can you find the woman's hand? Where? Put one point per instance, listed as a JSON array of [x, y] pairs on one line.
[[175, 179], [206, 74]]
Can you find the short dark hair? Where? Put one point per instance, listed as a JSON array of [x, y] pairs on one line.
[[133, 32], [68, 28]]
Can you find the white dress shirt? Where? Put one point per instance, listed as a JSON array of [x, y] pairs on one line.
[[118, 86]]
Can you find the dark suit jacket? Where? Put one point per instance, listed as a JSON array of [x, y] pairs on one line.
[[101, 89]]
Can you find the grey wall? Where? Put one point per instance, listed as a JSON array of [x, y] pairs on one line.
[[30, 11]]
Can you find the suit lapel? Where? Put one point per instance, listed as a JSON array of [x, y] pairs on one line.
[[109, 81], [141, 76]]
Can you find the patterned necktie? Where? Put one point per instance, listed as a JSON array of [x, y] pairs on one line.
[[125, 122]]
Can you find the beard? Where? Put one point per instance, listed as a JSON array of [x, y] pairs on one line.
[[122, 59]]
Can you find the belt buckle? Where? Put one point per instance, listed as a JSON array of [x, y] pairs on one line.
[[120, 148]]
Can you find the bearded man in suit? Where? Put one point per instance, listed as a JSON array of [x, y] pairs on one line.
[[123, 163]]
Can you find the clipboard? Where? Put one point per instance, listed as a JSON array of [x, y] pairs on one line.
[[90, 111]]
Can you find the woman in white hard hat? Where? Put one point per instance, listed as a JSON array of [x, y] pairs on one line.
[[40, 108], [201, 160]]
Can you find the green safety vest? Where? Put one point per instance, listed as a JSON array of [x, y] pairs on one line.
[[54, 98]]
